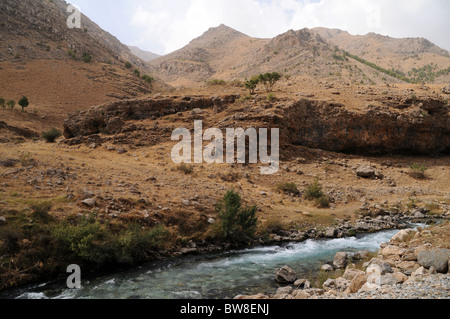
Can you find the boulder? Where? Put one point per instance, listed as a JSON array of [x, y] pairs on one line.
[[438, 258], [351, 273], [383, 266], [286, 275], [331, 233], [340, 260], [357, 283], [327, 268], [365, 172], [285, 290], [302, 284], [401, 278], [399, 237], [391, 250], [2, 219]]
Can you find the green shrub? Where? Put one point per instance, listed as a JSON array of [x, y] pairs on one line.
[[314, 191], [271, 97], [323, 202], [148, 79], [51, 135], [87, 58], [214, 82], [72, 54], [128, 65], [137, 73], [2, 103], [186, 169], [289, 188], [236, 222]]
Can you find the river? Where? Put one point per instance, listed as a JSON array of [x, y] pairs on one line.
[[219, 276]]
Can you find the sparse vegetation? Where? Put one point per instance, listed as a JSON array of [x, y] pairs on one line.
[[51, 135], [417, 171], [2, 103], [269, 79], [72, 54], [128, 65], [186, 169], [271, 97], [87, 58], [216, 82]]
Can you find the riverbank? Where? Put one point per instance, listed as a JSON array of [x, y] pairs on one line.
[[414, 264]]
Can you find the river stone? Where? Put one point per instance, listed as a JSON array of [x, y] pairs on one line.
[[327, 268], [357, 283], [285, 290], [286, 275], [389, 280], [331, 233], [438, 258], [340, 260], [351, 273], [384, 267], [2, 219], [402, 235]]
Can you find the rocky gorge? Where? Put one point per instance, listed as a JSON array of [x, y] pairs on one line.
[[413, 265]]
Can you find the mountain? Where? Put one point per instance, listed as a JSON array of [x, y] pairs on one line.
[[147, 56], [60, 69], [403, 55]]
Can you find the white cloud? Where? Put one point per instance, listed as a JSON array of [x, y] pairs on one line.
[[166, 25]]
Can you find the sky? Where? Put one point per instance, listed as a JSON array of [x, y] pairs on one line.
[[163, 26]]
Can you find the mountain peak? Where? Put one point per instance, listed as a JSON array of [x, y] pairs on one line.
[[221, 33]]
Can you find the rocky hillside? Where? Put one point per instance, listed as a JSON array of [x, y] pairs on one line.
[[404, 55], [38, 30]]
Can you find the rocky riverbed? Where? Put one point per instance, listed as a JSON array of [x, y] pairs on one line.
[[414, 264]]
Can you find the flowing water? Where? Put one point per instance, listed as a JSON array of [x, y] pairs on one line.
[[226, 275]]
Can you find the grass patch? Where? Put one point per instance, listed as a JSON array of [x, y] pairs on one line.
[[186, 169]]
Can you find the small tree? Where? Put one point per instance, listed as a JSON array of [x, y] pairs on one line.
[[251, 84], [128, 65], [23, 102], [11, 104], [269, 79], [236, 223], [2, 103]]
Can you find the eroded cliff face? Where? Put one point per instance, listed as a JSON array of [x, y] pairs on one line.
[[423, 128], [375, 130]]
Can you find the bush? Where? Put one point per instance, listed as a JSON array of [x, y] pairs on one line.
[[23, 102], [148, 79], [418, 171], [314, 191], [289, 188], [216, 82], [87, 58], [128, 65], [137, 73], [52, 135], [2, 103], [271, 97], [236, 223], [186, 169], [100, 245], [323, 202], [41, 209], [72, 54]]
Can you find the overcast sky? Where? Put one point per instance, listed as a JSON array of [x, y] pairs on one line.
[[163, 26]]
